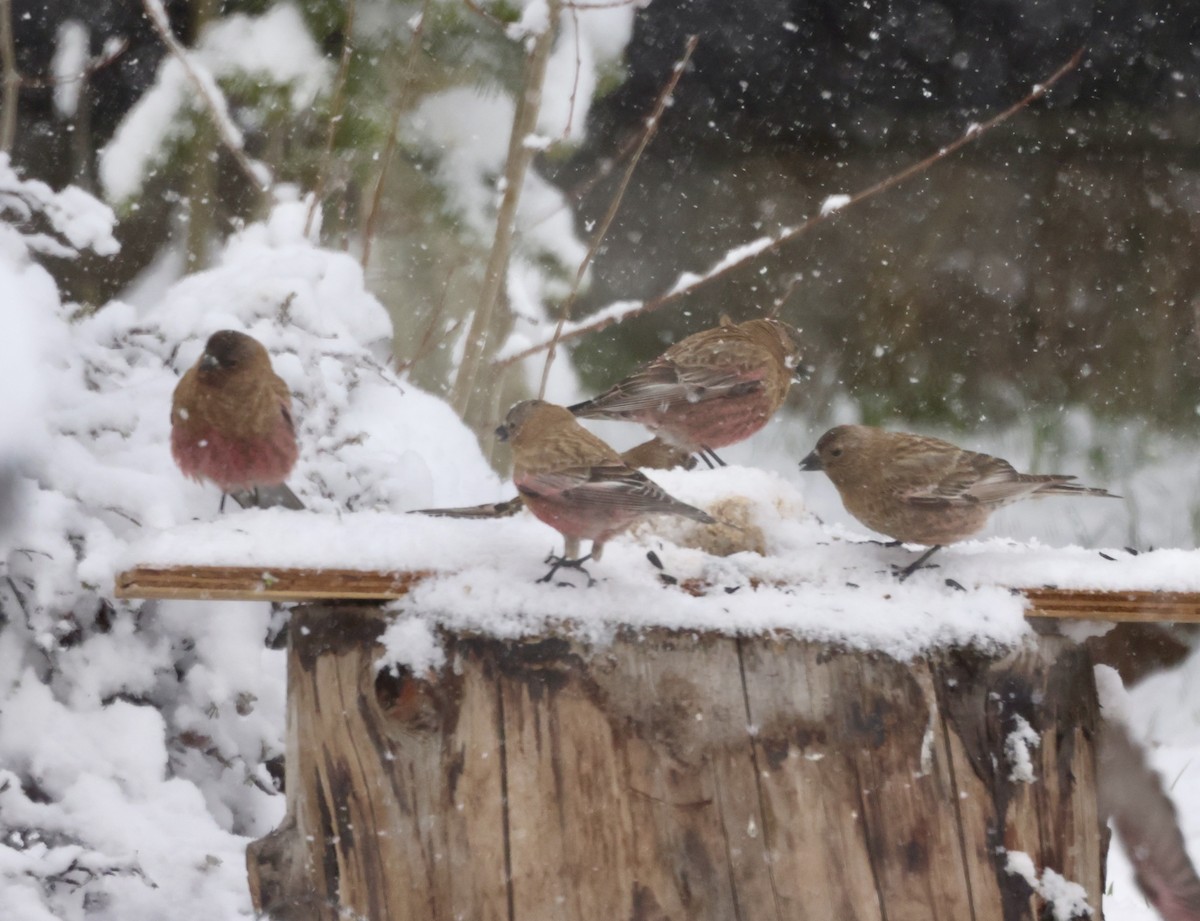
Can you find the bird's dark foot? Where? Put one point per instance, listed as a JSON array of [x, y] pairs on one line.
[[559, 562], [918, 563], [709, 456], [221, 507]]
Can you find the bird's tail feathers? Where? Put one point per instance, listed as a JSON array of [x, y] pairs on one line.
[[1061, 486]]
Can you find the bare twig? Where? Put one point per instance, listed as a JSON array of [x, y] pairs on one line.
[[742, 255], [648, 132], [389, 148], [614, 4], [575, 79], [516, 165], [429, 341], [93, 65], [12, 78], [335, 116], [494, 21], [226, 132]]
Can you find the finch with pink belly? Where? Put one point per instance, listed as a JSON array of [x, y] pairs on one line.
[[231, 423], [712, 389], [577, 484]]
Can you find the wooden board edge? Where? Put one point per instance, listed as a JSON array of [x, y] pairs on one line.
[[242, 583]]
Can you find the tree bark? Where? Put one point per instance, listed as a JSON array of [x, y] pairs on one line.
[[675, 776]]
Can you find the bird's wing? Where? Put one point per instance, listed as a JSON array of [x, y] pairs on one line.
[[958, 478], [664, 384], [612, 487]]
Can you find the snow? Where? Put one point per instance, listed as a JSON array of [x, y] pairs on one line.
[[274, 49], [1067, 900], [1018, 746], [834, 203], [134, 739], [70, 59]]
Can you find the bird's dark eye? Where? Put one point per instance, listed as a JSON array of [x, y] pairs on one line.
[[835, 452]]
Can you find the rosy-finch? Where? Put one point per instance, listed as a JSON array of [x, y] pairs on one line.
[[231, 423], [712, 389], [577, 484], [921, 490]]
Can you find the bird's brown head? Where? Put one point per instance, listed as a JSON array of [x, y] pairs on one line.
[[229, 352], [531, 417], [838, 450], [782, 340]]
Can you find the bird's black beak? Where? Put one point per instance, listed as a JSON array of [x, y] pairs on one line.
[[502, 433], [812, 462]]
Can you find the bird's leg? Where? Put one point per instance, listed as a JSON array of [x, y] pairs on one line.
[[709, 456], [902, 574], [221, 507], [561, 562]]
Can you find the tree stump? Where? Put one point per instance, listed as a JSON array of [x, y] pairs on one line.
[[677, 776]]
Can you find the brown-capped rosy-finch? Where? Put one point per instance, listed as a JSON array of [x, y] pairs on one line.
[[921, 490], [231, 423], [712, 389], [577, 484]]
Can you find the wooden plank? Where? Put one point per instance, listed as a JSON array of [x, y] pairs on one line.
[[256, 583], [252, 583], [1125, 606]]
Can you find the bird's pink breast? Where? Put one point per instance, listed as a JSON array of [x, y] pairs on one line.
[[714, 423], [585, 522], [235, 464]]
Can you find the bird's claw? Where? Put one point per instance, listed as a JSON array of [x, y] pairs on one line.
[[903, 572], [558, 562]]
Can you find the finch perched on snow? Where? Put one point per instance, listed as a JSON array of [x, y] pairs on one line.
[[712, 389], [231, 423], [921, 490], [577, 484]]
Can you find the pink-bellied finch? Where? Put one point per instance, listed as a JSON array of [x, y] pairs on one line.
[[712, 389], [231, 423], [577, 484]]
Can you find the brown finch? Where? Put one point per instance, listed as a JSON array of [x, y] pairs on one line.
[[712, 389], [577, 484], [921, 490], [231, 423]]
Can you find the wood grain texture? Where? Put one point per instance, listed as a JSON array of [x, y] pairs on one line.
[[671, 776], [283, 584]]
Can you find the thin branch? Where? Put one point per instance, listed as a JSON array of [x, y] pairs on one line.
[[740, 256], [612, 5], [575, 79], [516, 165], [389, 148], [12, 78], [648, 133], [226, 131], [335, 116], [491, 20], [428, 341], [93, 65]]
